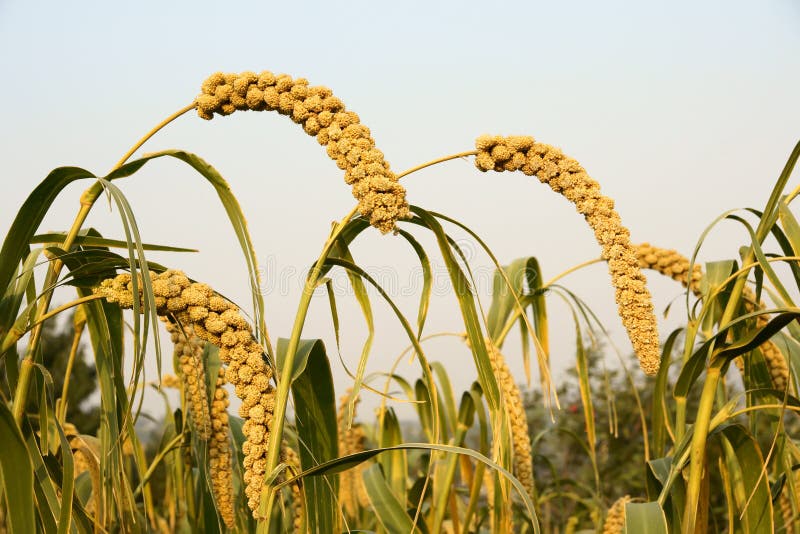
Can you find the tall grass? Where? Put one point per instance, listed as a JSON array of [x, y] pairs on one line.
[[313, 468]]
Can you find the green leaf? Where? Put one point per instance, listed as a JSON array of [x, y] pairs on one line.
[[447, 406], [315, 418], [67, 483], [427, 279], [503, 296], [237, 220], [790, 227], [469, 314], [394, 464], [749, 484], [346, 462], [36, 206], [17, 474], [13, 294], [389, 511], [95, 241], [104, 323], [658, 473], [29, 217], [341, 250], [659, 415], [645, 518], [304, 350]]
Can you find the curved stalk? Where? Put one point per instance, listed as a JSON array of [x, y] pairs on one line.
[[15, 335], [437, 161], [169, 447]]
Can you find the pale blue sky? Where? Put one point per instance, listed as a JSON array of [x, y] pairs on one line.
[[680, 110]]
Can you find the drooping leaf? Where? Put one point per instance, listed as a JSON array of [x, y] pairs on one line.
[[315, 416]]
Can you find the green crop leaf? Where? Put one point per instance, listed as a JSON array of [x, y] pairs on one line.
[[645, 518], [17, 474], [315, 416]]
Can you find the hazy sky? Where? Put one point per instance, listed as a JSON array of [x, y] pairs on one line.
[[680, 110]]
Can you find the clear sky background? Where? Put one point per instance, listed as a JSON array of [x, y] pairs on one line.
[[680, 110]]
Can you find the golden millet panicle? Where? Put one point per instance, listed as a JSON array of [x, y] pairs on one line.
[[785, 508], [676, 266], [171, 381], [85, 460], [349, 143], [565, 175], [218, 321], [670, 263], [219, 453], [290, 458], [518, 420], [189, 355], [615, 519], [352, 493]]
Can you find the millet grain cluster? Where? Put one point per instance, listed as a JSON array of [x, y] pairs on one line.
[[188, 353], [352, 492], [291, 459], [518, 420], [381, 199], [673, 264], [220, 460], [217, 321], [565, 175], [615, 519]]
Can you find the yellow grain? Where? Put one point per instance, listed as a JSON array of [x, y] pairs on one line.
[[615, 519], [671, 263], [352, 493], [188, 353], [291, 459], [381, 199], [218, 321], [564, 175], [219, 452], [85, 460], [518, 420], [170, 381]]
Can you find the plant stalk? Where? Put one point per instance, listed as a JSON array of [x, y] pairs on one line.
[[73, 351], [285, 382], [701, 427]]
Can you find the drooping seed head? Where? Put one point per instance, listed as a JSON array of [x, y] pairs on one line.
[[615, 518], [255, 388], [565, 176], [381, 199], [671, 263]]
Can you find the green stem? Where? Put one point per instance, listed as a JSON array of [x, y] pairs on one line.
[[701, 426], [73, 351], [698, 448], [15, 335], [437, 161], [680, 402], [169, 447], [285, 381]]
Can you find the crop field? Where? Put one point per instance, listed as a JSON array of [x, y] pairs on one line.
[[699, 434]]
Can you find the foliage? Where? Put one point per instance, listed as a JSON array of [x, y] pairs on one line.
[[55, 346], [695, 454]]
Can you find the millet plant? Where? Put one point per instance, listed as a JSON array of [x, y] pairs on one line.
[[293, 458]]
